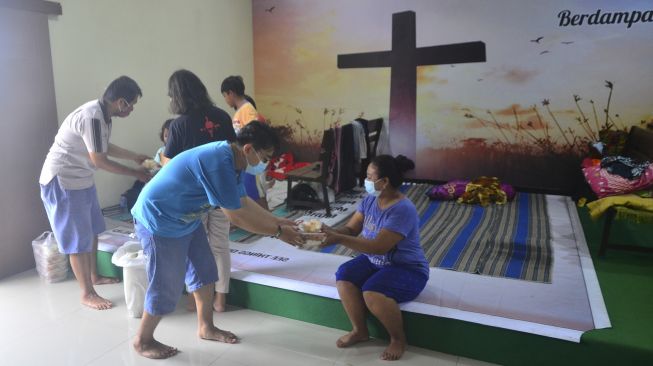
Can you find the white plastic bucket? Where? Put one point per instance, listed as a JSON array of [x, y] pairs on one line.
[[130, 256]]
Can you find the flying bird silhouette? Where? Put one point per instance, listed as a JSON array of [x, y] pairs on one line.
[[270, 9], [479, 79], [568, 42], [543, 52], [452, 65], [537, 40]]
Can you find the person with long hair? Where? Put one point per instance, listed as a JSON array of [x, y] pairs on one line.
[[200, 122], [392, 267]]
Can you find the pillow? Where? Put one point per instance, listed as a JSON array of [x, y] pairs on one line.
[[448, 191], [510, 191]]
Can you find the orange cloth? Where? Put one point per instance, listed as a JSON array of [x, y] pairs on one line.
[[244, 115]]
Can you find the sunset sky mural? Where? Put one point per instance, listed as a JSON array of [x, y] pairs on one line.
[[531, 58]]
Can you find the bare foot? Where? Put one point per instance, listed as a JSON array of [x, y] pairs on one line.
[[352, 338], [94, 301], [190, 303], [215, 334], [154, 349], [219, 303], [100, 280], [394, 351]]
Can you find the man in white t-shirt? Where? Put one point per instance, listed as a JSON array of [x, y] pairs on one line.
[[67, 186]]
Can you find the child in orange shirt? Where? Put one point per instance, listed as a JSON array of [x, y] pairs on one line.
[[233, 91]]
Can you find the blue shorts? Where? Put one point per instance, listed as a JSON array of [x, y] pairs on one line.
[[171, 263], [75, 216], [396, 282]]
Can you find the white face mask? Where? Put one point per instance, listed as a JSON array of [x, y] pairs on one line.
[[369, 187], [258, 168]]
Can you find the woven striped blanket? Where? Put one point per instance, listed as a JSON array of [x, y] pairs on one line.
[[511, 240]]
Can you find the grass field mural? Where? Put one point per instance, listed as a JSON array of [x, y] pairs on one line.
[[526, 114]]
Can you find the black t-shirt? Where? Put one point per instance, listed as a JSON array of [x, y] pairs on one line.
[[198, 128]]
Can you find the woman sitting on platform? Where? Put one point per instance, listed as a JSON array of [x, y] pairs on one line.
[[392, 267]]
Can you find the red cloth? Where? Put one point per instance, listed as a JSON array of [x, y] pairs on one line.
[[279, 167]]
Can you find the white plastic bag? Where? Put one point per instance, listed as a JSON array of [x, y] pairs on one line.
[[130, 256], [51, 265]]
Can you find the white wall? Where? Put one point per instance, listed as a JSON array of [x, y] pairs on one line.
[[94, 42]]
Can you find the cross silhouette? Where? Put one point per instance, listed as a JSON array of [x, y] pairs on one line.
[[403, 60]]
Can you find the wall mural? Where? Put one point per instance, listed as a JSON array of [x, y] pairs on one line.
[[469, 87]]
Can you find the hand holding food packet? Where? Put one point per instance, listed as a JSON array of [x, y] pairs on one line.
[[151, 165], [311, 232]]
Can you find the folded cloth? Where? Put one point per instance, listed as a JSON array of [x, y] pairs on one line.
[[483, 191], [624, 166], [605, 184], [598, 207]]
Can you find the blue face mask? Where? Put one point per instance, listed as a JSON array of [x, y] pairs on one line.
[[369, 187], [258, 168]]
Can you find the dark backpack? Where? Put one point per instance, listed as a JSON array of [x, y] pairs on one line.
[[303, 192], [128, 199]]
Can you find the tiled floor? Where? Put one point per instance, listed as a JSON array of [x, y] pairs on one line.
[[44, 324]]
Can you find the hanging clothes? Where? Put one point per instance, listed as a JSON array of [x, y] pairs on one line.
[[360, 140], [360, 145], [336, 168], [329, 145], [383, 147], [346, 174]]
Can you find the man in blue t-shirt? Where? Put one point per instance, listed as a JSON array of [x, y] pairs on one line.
[[168, 215]]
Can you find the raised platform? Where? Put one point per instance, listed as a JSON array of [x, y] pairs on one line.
[[626, 281]]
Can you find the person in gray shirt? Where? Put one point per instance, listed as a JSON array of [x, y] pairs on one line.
[[80, 147]]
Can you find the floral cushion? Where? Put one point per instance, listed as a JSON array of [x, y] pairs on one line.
[[448, 191]]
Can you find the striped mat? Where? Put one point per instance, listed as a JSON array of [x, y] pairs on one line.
[[511, 240]]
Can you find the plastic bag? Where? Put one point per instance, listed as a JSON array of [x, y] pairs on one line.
[[130, 256], [51, 265]]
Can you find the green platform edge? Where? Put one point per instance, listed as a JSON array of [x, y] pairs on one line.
[[626, 280]]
